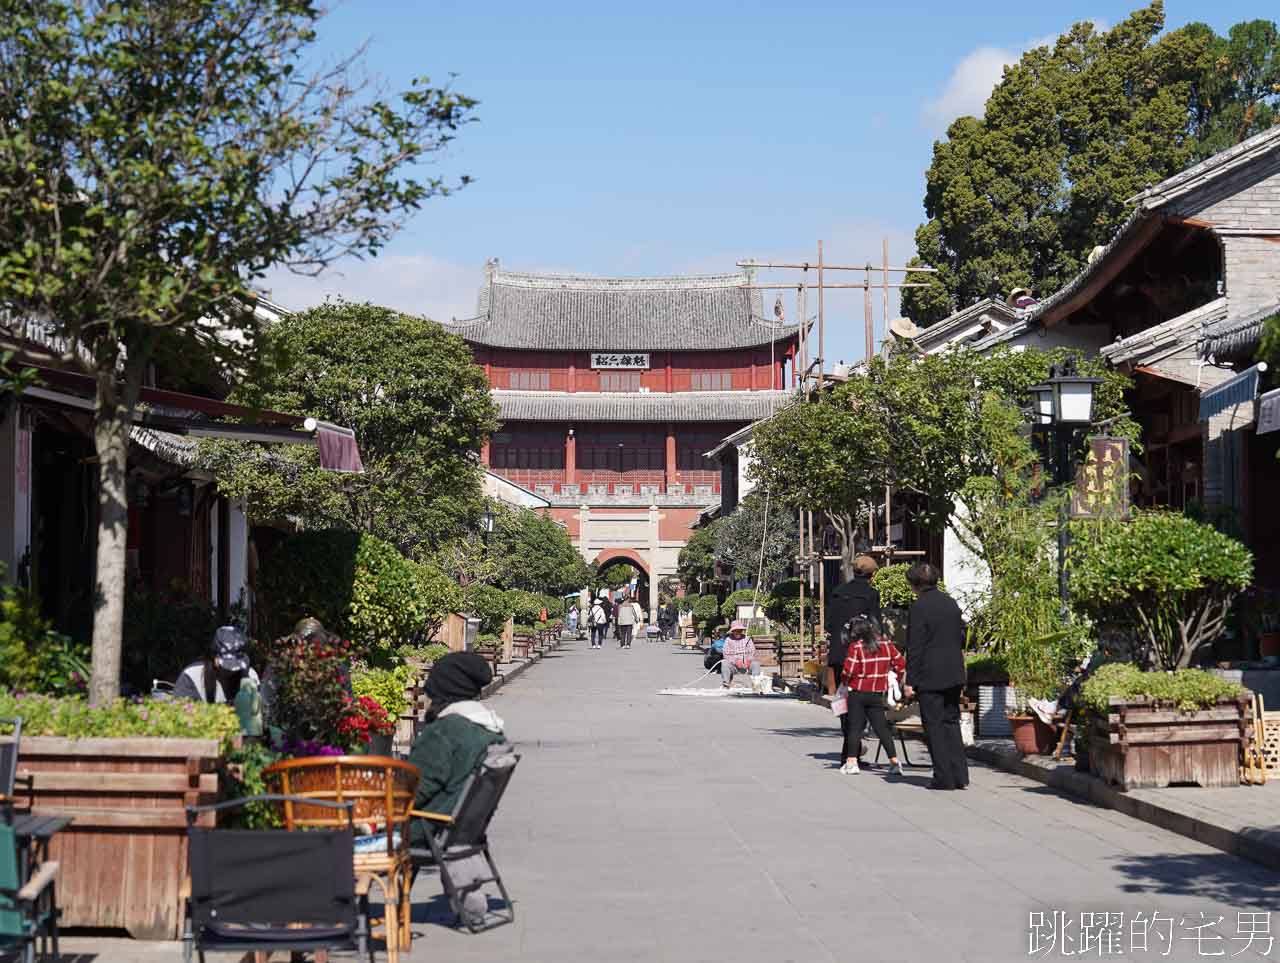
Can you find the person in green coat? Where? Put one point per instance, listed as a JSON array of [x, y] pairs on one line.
[[459, 731]]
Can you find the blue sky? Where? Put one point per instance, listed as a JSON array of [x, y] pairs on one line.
[[668, 138]]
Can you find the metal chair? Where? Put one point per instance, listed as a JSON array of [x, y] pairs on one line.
[[256, 890], [28, 910], [9, 747], [464, 833]]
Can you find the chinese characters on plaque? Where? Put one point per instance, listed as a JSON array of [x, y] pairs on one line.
[[621, 360], [1102, 483]]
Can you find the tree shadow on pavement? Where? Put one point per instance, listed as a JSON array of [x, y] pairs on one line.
[[1214, 876]]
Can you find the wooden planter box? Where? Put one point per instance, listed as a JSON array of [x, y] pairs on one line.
[[1141, 745], [124, 857]]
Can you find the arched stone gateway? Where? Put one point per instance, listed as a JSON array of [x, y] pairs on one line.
[[646, 597]]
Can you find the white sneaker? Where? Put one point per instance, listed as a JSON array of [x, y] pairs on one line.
[[850, 769], [895, 769]]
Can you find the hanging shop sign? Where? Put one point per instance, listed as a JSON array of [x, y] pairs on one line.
[[604, 359], [1102, 483]]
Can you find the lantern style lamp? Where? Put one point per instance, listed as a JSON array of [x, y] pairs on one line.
[[1041, 404], [1073, 399]]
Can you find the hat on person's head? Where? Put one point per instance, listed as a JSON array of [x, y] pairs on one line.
[[229, 648], [458, 677], [738, 625], [309, 626], [865, 565]]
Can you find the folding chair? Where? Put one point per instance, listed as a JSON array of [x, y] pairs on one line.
[[463, 834], [9, 746], [28, 911], [258, 890]]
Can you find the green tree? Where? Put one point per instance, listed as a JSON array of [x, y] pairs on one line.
[[420, 409], [1020, 196], [158, 158], [617, 573], [758, 540], [532, 552], [697, 561], [913, 424]]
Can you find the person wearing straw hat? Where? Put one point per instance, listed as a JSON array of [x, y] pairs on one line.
[[739, 654]]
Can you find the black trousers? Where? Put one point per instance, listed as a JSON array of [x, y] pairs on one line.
[[864, 706], [940, 713]]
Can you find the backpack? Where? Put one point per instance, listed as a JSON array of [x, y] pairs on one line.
[[598, 615]]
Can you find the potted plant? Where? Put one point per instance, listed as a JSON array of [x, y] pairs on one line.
[[124, 771], [366, 727], [1030, 734], [1154, 729]]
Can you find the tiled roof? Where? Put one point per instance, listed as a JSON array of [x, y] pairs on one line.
[[573, 312], [626, 406], [1210, 169], [937, 334], [1232, 337], [1163, 339]]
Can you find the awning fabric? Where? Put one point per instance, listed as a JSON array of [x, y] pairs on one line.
[[338, 450], [1269, 412], [1239, 390], [337, 445]]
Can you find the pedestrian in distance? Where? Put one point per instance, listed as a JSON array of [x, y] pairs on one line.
[[936, 674], [598, 619], [866, 675], [626, 617], [856, 597], [572, 621], [739, 654]]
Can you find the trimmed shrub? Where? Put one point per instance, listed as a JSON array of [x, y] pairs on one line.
[[359, 586], [1186, 689]]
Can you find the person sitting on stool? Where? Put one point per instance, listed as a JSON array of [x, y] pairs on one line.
[[739, 654]]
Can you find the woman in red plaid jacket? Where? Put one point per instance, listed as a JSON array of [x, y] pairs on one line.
[[866, 675]]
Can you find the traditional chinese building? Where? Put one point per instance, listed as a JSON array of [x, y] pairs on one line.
[[612, 390]]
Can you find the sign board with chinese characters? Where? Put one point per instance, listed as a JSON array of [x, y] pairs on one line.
[[607, 359], [1102, 482]]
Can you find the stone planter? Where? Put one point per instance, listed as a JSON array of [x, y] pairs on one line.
[[124, 857], [1139, 744]]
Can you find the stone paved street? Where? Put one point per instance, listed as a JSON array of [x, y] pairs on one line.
[[647, 827]]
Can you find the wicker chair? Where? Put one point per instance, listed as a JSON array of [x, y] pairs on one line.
[[382, 790]]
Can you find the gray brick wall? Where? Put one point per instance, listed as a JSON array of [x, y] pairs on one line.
[[1252, 272], [1247, 198]]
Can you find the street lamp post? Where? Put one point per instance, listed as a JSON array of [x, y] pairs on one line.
[[1062, 409]]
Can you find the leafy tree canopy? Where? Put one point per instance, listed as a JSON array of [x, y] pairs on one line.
[[156, 159], [532, 552], [755, 544], [1021, 195], [420, 410], [697, 562]]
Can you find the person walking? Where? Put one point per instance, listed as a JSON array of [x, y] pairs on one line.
[[855, 598], [936, 674], [866, 675], [598, 619], [572, 620], [626, 622]]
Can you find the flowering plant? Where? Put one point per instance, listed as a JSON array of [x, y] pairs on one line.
[[312, 687], [364, 719]]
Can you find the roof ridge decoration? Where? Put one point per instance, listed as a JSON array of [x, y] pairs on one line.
[[590, 282]]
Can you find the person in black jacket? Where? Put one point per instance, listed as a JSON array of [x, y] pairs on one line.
[[856, 597], [936, 674]]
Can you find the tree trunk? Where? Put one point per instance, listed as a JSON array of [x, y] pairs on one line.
[[113, 416]]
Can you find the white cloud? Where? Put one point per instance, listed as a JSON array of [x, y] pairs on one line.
[[969, 85], [976, 75], [414, 283]]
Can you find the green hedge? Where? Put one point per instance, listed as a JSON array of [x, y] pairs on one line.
[[73, 717], [359, 586], [729, 608], [1187, 689], [384, 686]]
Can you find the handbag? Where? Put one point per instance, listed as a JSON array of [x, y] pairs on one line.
[[840, 701]]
